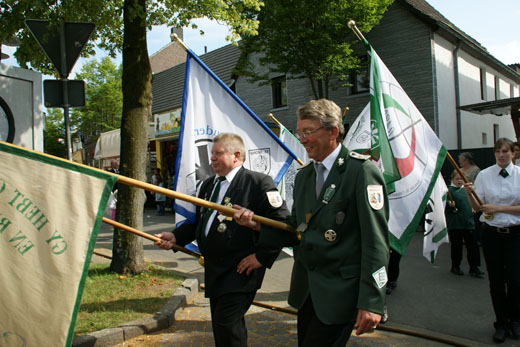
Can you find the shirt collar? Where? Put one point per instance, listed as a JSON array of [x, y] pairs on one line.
[[508, 168], [331, 158], [231, 174]]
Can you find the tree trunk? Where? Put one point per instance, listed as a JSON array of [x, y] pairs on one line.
[[320, 88], [127, 253]]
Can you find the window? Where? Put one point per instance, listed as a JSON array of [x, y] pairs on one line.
[[484, 138], [496, 135], [482, 84], [497, 88], [359, 79], [279, 87]]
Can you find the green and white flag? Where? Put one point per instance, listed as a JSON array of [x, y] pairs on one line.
[[50, 214], [406, 149], [435, 227]]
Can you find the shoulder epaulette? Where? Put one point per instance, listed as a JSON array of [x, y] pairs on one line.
[[359, 156]]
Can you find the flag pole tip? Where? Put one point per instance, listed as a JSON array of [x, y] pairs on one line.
[[351, 23], [174, 36]]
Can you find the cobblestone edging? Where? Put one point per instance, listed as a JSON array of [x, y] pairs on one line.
[[163, 319]]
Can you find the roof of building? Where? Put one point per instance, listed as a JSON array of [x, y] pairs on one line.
[[497, 107], [168, 85]]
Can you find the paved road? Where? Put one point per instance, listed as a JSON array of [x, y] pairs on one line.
[[429, 300]]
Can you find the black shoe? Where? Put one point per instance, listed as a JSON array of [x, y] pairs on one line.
[[515, 329], [475, 272], [501, 332], [457, 271], [384, 318]]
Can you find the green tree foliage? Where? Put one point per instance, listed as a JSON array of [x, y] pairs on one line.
[[121, 25], [104, 98], [54, 133], [309, 39]]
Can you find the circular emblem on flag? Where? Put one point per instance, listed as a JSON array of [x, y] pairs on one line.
[[260, 160], [414, 144]]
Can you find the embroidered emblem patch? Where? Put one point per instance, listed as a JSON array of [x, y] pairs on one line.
[[375, 196], [274, 198], [380, 277]]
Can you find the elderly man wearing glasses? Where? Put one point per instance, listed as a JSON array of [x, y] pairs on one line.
[[340, 211]]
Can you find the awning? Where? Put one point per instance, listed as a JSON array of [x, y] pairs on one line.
[[497, 107], [108, 145]]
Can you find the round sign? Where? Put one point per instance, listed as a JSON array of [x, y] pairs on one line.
[[6, 122]]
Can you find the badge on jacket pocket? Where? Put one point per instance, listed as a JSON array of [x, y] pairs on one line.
[[274, 199], [375, 196]]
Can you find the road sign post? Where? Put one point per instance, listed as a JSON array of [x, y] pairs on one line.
[[63, 47]]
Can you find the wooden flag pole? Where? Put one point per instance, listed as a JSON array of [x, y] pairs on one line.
[[197, 201], [488, 216], [352, 25], [270, 115], [174, 36], [464, 178], [171, 193], [147, 236]]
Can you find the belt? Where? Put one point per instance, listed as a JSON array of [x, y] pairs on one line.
[[509, 230]]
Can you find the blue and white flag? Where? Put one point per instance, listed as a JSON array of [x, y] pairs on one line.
[[286, 186], [210, 108]]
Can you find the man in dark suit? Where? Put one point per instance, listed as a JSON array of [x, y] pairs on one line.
[[340, 210], [226, 245], [114, 168]]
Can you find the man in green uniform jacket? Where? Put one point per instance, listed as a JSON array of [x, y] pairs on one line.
[[340, 210]]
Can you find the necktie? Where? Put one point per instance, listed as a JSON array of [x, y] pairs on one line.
[[320, 170], [504, 173], [213, 198]]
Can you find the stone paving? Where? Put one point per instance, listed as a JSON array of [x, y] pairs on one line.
[[192, 327]]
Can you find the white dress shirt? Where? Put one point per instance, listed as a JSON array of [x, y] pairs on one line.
[[494, 189], [224, 185], [329, 162]]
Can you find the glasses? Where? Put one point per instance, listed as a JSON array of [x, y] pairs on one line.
[[306, 133]]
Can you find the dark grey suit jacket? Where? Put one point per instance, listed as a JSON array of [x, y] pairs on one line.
[[223, 251]]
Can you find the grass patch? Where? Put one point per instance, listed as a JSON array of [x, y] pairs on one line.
[[110, 299]]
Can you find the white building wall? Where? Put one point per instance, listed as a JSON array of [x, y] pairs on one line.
[[21, 89], [443, 51], [476, 128]]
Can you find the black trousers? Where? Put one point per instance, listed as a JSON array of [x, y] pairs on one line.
[[456, 238], [502, 256], [227, 318], [314, 333], [393, 266]]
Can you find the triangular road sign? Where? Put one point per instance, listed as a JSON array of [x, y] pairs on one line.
[[75, 36]]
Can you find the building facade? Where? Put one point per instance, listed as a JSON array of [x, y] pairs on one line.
[[440, 67]]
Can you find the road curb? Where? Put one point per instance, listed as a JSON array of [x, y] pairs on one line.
[[163, 319]]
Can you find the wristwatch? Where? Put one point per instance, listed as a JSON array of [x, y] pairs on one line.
[[6, 122]]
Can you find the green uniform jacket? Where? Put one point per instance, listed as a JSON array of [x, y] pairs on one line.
[[462, 219], [349, 272]]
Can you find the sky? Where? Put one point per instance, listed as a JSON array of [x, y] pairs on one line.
[[492, 23]]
